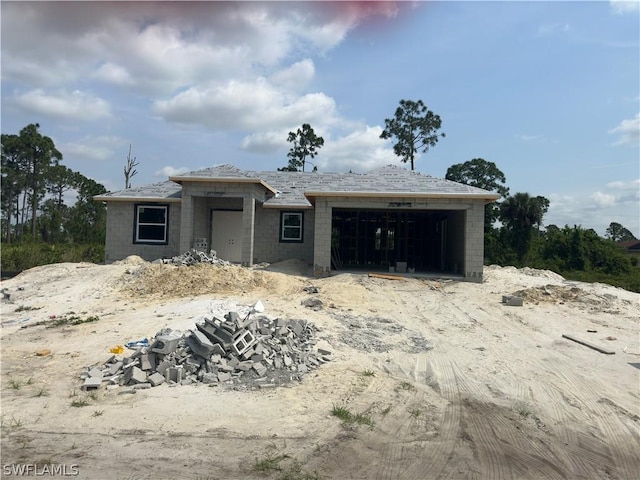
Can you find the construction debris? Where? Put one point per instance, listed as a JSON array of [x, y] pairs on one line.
[[192, 257], [254, 351], [598, 348], [512, 300]]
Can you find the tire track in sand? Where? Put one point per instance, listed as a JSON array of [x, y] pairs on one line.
[[406, 458]]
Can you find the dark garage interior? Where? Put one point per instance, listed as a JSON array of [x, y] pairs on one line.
[[424, 241]]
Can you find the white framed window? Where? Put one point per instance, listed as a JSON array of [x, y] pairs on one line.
[[151, 224], [291, 226]]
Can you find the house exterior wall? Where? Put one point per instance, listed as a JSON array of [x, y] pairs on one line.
[[267, 245], [119, 236], [474, 242], [191, 219]]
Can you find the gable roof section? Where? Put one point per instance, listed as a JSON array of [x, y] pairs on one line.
[[294, 189]]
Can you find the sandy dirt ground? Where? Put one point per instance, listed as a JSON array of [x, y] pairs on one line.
[[457, 384]]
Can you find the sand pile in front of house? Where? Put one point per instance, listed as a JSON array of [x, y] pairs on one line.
[[168, 281]]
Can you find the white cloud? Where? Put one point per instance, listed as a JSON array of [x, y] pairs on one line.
[[169, 171], [615, 202], [294, 77], [159, 47], [603, 199], [360, 151], [115, 74], [72, 105], [629, 131], [98, 148], [247, 106], [621, 7], [265, 142]]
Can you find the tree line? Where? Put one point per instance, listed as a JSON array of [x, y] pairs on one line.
[[34, 186]]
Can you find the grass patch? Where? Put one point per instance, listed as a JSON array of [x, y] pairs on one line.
[[406, 386], [368, 373], [80, 402], [70, 318], [415, 413], [523, 410], [97, 413], [348, 418], [15, 422], [269, 463], [41, 392], [386, 411], [15, 383], [23, 308], [276, 463]]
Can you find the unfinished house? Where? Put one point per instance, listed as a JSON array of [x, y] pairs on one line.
[[389, 219]]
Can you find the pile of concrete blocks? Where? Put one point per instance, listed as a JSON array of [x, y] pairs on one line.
[[194, 256], [252, 350]]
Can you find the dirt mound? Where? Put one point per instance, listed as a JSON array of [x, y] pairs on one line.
[[599, 301], [158, 280]]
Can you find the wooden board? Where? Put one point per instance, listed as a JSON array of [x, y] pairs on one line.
[[387, 277], [588, 344]]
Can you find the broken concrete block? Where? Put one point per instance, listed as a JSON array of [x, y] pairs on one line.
[[174, 374], [313, 303], [95, 372], [156, 379], [165, 344], [245, 366], [243, 343], [224, 376], [137, 375], [92, 383], [200, 344], [296, 327], [115, 368], [209, 378], [141, 386], [260, 369], [162, 367], [514, 301], [147, 362], [302, 368]]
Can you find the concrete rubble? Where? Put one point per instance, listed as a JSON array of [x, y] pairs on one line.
[[192, 257], [254, 351]]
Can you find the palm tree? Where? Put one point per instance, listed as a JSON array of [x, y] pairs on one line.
[[520, 213]]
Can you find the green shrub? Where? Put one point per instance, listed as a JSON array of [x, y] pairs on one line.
[[17, 257]]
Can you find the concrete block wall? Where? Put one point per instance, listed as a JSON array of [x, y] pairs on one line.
[[267, 245], [474, 244], [119, 236]]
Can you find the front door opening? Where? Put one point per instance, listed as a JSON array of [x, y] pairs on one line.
[[226, 234]]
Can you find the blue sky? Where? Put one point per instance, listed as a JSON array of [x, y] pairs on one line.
[[549, 91]]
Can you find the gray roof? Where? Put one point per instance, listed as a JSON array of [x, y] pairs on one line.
[[163, 191], [295, 188]]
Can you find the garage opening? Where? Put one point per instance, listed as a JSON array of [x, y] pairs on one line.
[[426, 241]]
